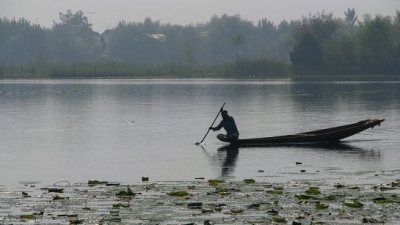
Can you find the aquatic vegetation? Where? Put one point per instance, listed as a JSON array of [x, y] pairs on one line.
[[305, 197], [276, 192], [313, 191], [339, 186], [28, 217], [249, 181], [320, 206], [382, 200], [233, 202], [127, 193], [237, 211], [180, 193], [93, 183], [121, 205], [354, 204], [222, 191], [278, 219], [329, 198], [57, 197], [215, 182], [55, 190], [75, 221]]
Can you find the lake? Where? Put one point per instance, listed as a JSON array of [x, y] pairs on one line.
[[123, 130]]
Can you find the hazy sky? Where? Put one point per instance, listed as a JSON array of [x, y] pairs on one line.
[[105, 14]]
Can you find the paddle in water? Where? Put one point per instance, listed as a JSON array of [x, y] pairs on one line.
[[198, 143]]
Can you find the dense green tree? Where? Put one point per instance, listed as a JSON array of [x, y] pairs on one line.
[[21, 42], [221, 30], [350, 17], [307, 55], [237, 40], [376, 45], [73, 40]]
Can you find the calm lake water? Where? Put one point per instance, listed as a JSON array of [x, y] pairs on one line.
[[122, 130]]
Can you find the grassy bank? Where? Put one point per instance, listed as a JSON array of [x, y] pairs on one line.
[[122, 70]]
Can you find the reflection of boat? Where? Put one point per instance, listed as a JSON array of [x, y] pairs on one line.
[[333, 134]]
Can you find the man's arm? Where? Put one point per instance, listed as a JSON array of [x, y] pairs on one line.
[[220, 125]]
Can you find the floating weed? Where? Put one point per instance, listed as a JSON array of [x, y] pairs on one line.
[[222, 191], [354, 204], [120, 205], [194, 205], [321, 206], [93, 183], [237, 211], [254, 206], [382, 200], [276, 192], [278, 219], [339, 185], [249, 181], [313, 191], [180, 193], [214, 182], [329, 198], [75, 221], [57, 197], [27, 217], [127, 193], [305, 197], [55, 190]]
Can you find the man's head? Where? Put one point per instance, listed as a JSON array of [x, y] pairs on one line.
[[224, 113]]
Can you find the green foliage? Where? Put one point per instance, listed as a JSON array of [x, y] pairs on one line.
[[93, 183], [215, 182], [313, 191], [278, 219], [126, 193], [354, 204], [307, 56], [180, 193], [321, 206], [382, 200], [225, 46], [249, 181]]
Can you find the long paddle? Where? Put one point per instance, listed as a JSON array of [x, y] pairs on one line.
[[198, 143]]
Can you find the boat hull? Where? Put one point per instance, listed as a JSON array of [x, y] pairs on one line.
[[333, 134]]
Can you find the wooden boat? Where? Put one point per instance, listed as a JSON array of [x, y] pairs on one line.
[[333, 134]]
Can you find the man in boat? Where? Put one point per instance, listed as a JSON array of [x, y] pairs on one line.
[[228, 123]]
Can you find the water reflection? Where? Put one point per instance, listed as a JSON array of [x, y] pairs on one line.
[[227, 156]]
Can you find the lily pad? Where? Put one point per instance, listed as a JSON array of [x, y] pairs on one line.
[[305, 197], [278, 219], [180, 193], [127, 193], [276, 192], [93, 183], [215, 182], [329, 197], [249, 181], [313, 191], [321, 206], [237, 211], [354, 204], [28, 217], [382, 200]]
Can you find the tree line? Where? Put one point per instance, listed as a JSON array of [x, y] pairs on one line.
[[225, 46]]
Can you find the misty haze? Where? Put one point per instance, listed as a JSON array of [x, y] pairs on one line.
[[225, 46]]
